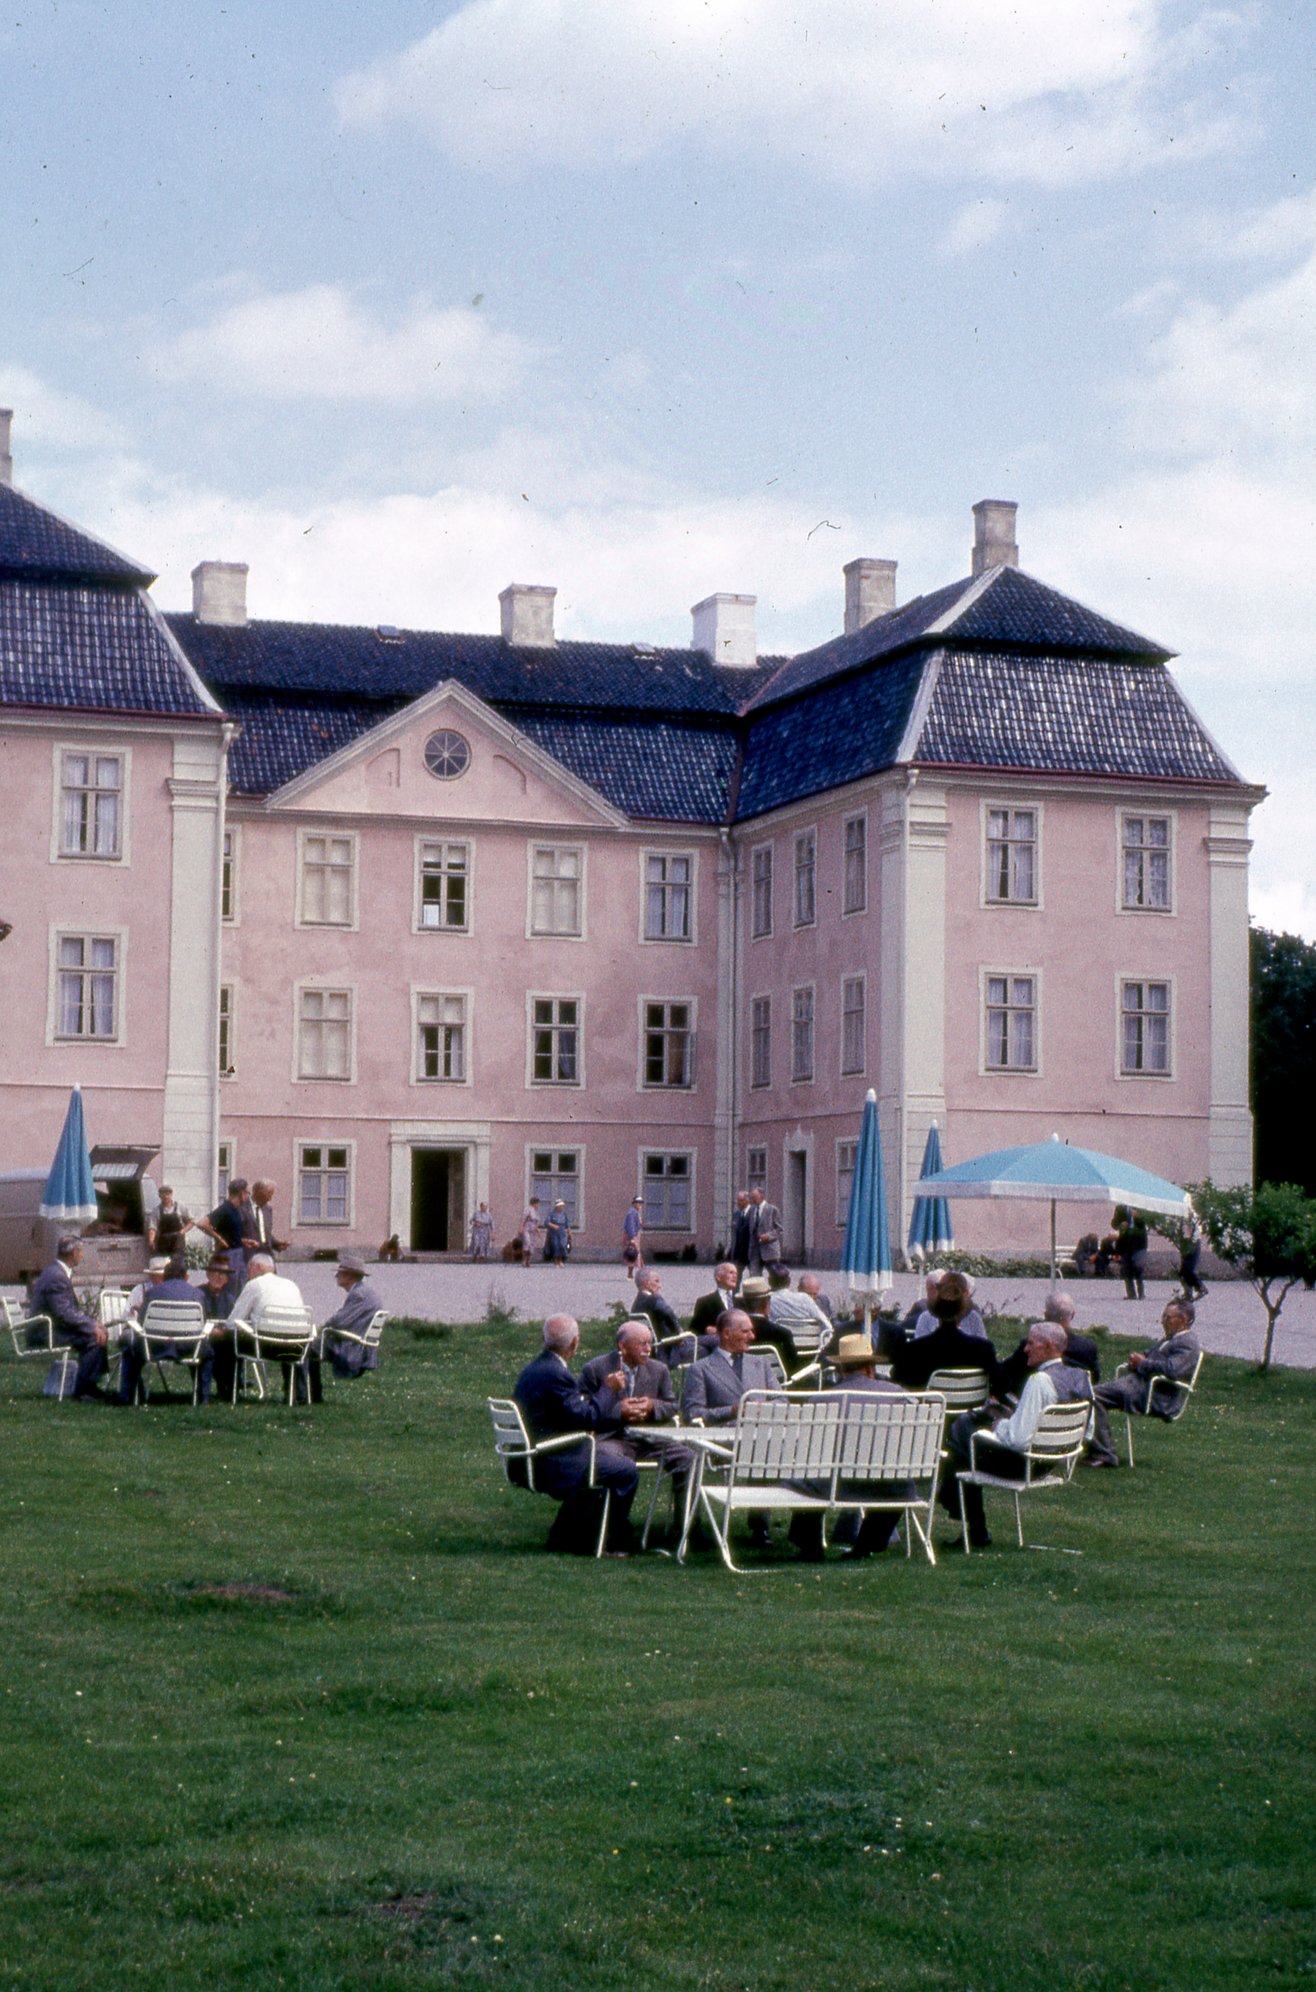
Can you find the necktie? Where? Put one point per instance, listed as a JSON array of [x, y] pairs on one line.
[[738, 1365]]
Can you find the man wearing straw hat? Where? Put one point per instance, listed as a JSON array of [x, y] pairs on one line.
[[867, 1535]]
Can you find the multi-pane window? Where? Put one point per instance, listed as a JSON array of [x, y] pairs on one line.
[[226, 1064], [328, 877], [853, 1047], [802, 1033], [91, 788], [854, 886], [667, 1192], [1012, 856], [1146, 855], [760, 1041], [556, 889], [554, 1173], [761, 892], [806, 877], [669, 1044], [668, 905], [324, 1034], [1011, 1023], [223, 1167], [846, 1152], [555, 1040], [1145, 1028], [445, 881], [324, 1184], [441, 1037], [87, 989], [756, 1169], [228, 879]]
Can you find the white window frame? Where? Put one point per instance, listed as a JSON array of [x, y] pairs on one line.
[[804, 864], [989, 898], [533, 1148], [852, 1071], [643, 1083], [690, 1155], [227, 1036], [755, 1028], [1011, 975], [428, 841], [225, 1155], [316, 986], [230, 863], [534, 996], [756, 1174], [426, 992], [336, 835], [810, 990], [559, 846], [123, 755], [843, 1202], [1128, 1073], [691, 857], [67, 931], [1122, 905], [757, 851], [859, 818], [326, 1142]]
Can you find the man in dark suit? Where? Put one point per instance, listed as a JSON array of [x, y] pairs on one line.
[[1080, 1350], [715, 1386], [1173, 1357], [175, 1285], [554, 1404], [741, 1228], [634, 1376], [947, 1347], [710, 1307], [867, 1535], [53, 1296], [260, 1222], [360, 1304], [662, 1317]]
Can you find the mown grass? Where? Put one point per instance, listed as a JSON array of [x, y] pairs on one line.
[[294, 1698]]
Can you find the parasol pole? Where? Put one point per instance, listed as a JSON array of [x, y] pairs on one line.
[[1053, 1244]]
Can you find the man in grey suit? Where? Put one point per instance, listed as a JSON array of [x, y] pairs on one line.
[[360, 1304], [764, 1233], [715, 1386], [1173, 1356], [634, 1376]]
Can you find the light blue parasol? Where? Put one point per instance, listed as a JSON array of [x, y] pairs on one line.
[[930, 1232], [866, 1254], [70, 1194], [1053, 1172]]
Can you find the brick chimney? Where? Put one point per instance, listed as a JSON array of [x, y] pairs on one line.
[[527, 614], [993, 534], [724, 627], [870, 591], [6, 461], [219, 592]]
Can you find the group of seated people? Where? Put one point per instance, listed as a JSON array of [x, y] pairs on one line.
[[618, 1394], [234, 1295]]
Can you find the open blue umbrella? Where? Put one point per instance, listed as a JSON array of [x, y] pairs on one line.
[[70, 1194], [930, 1232], [1053, 1172], [866, 1254]]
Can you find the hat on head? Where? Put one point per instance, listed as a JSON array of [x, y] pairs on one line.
[[756, 1288], [561, 1204], [851, 1351], [219, 1262], [159, 1264], [351, 1262]]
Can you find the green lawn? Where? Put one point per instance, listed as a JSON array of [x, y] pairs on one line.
[[418, 1750]]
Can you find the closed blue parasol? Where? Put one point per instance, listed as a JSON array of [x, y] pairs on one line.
[[1053, 1172], [930, 1232], [70, 1194], [866, 1254]]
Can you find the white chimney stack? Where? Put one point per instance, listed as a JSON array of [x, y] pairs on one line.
[[870, 591], [6, 461], [527, 614], [219, 592], [993, 534], [724, 627]]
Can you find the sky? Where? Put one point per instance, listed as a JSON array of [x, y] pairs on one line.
[[646, 299]]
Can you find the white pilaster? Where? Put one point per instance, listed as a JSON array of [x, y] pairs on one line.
[[1230, 1127], [190, 983], [727, 1039], [912, 1005]]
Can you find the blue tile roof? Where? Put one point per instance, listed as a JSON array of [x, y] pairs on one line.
[[828, 737], [90, 648], [1088, 716], [38, 544], [648, 767]]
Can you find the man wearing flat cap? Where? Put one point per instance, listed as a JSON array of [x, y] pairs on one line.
[[360, 1304]]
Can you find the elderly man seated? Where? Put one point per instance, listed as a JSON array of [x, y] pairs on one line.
[[716, 1384], [710, 1307], [340, 1337], [663, 1318], [553, 1404], [1080, 1350], [53, 1295], [867, 1535], [799, 1311], [633, 1376], [1172, 1357], [1050, 1382], [955, 1338], [173, 1284], [264, 1289]]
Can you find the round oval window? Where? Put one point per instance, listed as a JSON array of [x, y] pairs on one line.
[[447, 755]]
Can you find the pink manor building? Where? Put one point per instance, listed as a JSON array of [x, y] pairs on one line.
[[410, 920]]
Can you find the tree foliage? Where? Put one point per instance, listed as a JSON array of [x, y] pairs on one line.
[[1267, 1232], [1284, 1057]]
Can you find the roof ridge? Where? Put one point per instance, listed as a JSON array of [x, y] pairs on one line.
[[127, 569], [974, 591]]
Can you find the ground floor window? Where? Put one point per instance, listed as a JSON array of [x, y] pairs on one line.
[[846, 1152], [667, 1191], [554, 1173], [324, 1184]]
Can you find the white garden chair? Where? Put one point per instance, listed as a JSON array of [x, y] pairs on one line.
[[1048, 1463], [513, 1445], [1175, 1398]]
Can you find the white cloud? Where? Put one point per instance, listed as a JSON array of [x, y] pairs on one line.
[[1035, 92], [977, 223], [46, 417], [320, 344]]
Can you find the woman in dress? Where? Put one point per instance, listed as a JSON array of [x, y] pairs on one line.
[[531, 1232], [557, 1236], [482, 1226]]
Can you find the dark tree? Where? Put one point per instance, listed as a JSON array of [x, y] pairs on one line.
[[1284, 1058]]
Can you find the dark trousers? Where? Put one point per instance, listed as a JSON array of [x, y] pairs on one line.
[[92, 1358], [576, 1525], [134, 1363], [1006, 1464]]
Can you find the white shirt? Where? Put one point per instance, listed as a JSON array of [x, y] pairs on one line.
[[786, 1308], [266, 1290], [1037, 1396]]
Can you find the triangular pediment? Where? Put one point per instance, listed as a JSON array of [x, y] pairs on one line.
[[506, 777]]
